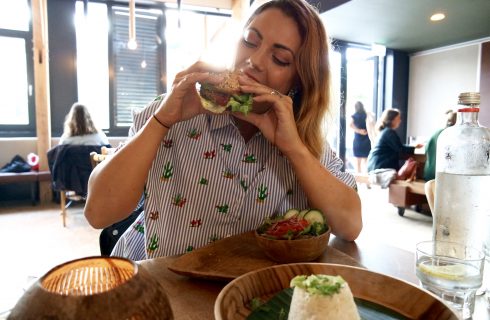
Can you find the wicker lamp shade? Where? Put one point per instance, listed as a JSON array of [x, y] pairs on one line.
[[94, 288]]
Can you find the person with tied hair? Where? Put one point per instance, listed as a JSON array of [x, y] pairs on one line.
[[388, 147], [431, 147], [208, 176], [79, 128], [361, 144]]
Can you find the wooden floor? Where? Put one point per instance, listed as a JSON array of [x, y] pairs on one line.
[[33, 240]]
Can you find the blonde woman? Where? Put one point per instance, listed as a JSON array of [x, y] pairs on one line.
[[80, 129], [209, 176]]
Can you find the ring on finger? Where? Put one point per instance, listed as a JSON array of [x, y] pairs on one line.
[[276, 93]]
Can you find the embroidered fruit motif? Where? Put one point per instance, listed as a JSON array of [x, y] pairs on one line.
[[168, 172], [213, 238], [154, 215], [189, 248], [203, 181], [210, 154], [196, 223], [223, 208], [194, 134], [179, 201], [158, 98], [262, 193], [249, 158], [226, 147], [228, 174], [243, 183], [167, 143], [153, 243], [139, 227]]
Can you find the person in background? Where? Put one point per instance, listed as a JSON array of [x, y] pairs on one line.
[[209, 176], [388, 147], [431, 147], [361, 144], [79, 128]]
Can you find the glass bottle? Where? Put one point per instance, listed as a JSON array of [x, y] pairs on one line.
[[462, 197]]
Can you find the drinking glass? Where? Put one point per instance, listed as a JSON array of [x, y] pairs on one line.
[[452, 271]]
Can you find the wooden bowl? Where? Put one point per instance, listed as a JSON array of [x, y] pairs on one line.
[[94, 288], [298, 250], [382, 293]]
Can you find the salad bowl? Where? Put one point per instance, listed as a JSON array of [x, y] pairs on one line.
[[293, 250]]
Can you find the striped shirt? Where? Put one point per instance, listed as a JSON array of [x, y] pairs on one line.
[[206, 183]]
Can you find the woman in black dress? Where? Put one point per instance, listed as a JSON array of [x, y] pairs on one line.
[[362, 144]]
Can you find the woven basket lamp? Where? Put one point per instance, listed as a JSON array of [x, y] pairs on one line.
[[94, 288]]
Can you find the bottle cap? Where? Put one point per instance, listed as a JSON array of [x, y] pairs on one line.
[[469, 98]]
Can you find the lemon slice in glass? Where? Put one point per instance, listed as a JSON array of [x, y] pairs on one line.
[[450, 272]]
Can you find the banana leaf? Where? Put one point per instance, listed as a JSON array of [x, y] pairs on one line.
[[277, 308]]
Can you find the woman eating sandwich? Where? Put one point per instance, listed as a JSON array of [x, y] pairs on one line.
[[207, 176]]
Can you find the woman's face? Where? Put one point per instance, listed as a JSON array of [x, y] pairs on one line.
[[396, 122], [267, 50]]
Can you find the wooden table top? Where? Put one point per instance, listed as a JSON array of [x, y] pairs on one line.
[[193, 298]]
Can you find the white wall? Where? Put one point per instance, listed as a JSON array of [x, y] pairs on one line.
[[437, 77]]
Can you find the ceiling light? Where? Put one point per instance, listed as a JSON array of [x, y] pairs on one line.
[[132, 44], [437, 16]]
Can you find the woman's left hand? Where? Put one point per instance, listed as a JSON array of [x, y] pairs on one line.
[[277, 123]]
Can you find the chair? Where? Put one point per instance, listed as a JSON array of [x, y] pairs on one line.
[[70, 167]]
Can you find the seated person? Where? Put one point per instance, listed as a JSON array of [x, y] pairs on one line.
[[388, 148], [208, 176], [80, 129], [431, 147]]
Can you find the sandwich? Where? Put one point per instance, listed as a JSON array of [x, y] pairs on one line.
[[225, 95]]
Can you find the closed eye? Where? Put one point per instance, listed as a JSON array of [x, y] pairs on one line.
[[280, 62], [249, 44]]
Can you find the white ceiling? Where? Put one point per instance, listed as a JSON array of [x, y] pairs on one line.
[[405, 25]]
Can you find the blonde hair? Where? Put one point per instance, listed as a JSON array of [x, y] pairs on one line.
[[78, 122], [311, 99]]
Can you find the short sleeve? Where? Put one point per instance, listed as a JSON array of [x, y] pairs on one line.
[[334, 165]]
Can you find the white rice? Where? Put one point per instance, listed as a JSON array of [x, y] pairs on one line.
[[338, 306]]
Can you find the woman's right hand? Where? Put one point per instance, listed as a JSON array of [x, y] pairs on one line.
[[183, 102]]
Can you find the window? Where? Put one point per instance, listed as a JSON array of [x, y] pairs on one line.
[[16, 78], [194, 35], [137, 73], [114, 80]]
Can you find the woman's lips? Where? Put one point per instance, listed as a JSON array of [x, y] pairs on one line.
[[247, 73]]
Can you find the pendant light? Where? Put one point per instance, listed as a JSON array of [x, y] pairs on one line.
[[132, 26]]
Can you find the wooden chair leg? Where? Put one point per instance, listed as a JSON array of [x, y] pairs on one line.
[[63, 207]]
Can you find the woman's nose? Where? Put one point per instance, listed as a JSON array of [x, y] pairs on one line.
[[257, 60]]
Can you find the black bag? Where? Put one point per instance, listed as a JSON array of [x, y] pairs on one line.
[[16, 165]]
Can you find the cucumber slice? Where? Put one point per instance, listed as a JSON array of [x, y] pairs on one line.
[[315, 216], [291, 213], [302, 213]]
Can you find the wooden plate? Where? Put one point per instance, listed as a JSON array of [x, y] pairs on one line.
[[231, 257], [397, 295]]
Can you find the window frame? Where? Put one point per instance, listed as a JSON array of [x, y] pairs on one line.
[[23, 130]]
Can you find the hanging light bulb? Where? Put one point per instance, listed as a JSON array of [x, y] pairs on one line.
[[143, 64], [132, 26]]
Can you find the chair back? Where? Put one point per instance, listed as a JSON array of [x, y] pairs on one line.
[[71, 166]]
